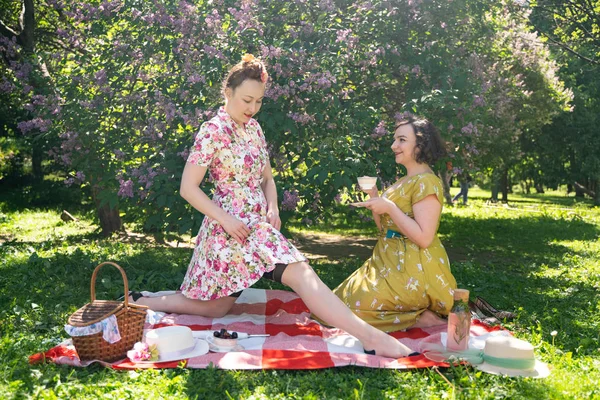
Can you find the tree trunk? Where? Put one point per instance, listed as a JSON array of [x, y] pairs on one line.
[[539, 188], [583, 190], [39, 78], [494, 187], [527, 187], [36, 162], [444, 176], [579, 190], [504, 185], [110, 220]]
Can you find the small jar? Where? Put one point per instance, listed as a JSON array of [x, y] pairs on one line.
[[459, 322]]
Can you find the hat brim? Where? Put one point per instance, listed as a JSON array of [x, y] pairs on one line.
[[200, 349], [540, 370]]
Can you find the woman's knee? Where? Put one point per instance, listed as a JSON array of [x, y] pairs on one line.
[[220, 308], [296, 273]]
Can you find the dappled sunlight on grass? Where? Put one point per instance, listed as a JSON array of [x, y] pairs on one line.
[[40, 226], [545, 266]]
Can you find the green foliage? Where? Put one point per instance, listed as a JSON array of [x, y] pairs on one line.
[[539, 257], [136, 80], [566, 151]]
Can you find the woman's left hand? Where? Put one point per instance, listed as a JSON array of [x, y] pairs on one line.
[[379, 205], [273, 219]]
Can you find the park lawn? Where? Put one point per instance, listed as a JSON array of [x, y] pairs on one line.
[[540, 257]]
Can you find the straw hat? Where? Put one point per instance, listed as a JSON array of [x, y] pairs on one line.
[[174, 343], [506, 355]]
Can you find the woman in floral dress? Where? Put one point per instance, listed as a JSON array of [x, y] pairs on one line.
[[239, 241], [407, 281]]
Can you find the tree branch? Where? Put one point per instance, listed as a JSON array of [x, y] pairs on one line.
[[6, 31], [570, 50], [585, 190]]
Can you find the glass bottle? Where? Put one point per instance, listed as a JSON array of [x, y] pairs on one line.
[[459, 322]]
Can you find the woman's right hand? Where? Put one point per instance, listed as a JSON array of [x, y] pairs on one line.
[[235, 228], [373, 192]]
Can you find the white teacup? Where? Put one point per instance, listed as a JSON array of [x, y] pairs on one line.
[[367, 182]]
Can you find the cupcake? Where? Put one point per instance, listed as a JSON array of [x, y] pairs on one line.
[[225, 339]]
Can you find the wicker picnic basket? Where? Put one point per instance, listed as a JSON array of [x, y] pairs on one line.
[[130, 320]]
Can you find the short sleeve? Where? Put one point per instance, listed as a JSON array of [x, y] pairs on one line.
[[206, 145], [427, 185]]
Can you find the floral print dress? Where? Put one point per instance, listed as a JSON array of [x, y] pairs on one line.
[[401, 280], [236, 158]]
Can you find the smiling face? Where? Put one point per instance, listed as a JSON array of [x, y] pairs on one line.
[[245, 100], [405, 144]]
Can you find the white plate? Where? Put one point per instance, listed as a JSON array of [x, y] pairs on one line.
[[219, 349], [200, 349]]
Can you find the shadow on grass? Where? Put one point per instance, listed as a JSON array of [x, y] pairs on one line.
[[45, 195]]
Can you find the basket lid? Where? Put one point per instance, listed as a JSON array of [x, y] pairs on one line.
[[94, 312]]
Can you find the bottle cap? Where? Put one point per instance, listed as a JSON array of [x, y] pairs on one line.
[[461, 294]]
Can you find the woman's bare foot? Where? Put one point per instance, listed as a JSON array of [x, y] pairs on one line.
[[428, 319], [386, 346]]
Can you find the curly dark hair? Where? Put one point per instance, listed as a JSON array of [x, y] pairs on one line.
[[248, 68], [430, 145]]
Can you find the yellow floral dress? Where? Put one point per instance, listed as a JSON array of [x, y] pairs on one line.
[[401, 280]]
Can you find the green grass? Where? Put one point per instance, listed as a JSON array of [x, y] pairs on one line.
[[541, 258]]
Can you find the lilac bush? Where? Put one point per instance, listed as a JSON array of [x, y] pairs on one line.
[[136, 79]]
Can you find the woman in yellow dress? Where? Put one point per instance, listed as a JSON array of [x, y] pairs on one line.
[[407, 281]]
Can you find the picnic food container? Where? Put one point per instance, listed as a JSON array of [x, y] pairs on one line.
[[130, 320]]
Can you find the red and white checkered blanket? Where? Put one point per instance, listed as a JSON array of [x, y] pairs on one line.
[[295, 341]]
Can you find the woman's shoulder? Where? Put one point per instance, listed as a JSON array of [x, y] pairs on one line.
[[216, 125], [429, 178], [425, 184], [426, 178]]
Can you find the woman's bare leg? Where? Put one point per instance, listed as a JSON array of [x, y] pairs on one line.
[[179, 304], [324, 304]]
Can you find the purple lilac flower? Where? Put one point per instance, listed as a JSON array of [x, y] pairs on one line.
[[290, 200], [125, 188], [379, 131]]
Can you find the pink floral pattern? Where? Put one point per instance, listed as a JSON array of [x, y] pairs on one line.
[[236, 158]]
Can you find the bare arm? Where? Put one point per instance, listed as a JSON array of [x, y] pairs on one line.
[[270, 191], [191, 192], [420, 230]]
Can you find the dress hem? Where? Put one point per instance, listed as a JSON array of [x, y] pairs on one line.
[[249, 286]]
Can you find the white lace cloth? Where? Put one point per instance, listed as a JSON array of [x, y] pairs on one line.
[[108, 327]]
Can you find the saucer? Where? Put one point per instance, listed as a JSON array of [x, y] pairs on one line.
[[219, 349]]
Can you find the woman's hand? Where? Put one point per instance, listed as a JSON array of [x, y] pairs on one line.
[[235, 228], [379, 205], [373, 192], [273, 219]]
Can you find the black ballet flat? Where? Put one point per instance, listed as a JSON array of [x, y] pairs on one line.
[[134, 295], [372, 353]]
